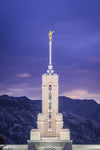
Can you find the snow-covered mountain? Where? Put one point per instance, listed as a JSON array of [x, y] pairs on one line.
[[18, 115]]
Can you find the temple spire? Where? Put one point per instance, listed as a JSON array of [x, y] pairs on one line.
[[50, 47], [50, 67]]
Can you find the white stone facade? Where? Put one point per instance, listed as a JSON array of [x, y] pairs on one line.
[[50, 122]]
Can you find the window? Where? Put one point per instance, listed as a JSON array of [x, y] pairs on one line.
[[50, 87], [49, 105], [49, 96], [49, 124], [49, 115]]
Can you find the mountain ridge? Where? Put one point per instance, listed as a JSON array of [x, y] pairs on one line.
[[18, 115]]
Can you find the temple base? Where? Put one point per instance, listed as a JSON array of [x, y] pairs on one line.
[[49, 145], [64, 135]]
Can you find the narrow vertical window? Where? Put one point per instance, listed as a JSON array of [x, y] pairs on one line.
[[49, 105], [49, 115], [50, 87], [49, 96]]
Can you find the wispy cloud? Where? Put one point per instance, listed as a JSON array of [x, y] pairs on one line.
[[81, 94], [21, 90], [24, 75]]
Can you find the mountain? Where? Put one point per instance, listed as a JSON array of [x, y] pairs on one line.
[[80, 117], [85, 108], [18, 115]]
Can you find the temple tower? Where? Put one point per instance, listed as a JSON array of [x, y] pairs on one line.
[[50, 122]]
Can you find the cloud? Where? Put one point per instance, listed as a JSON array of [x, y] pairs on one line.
[[76, 93], [6, 93], [81, 94], [24, 75], [18, 90], [95, 60]]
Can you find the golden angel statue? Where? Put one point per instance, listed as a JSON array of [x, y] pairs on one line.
[[50, 35]]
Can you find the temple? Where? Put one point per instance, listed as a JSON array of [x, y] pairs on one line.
[[50, 122]]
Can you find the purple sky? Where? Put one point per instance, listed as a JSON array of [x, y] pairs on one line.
[[24, 46]]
